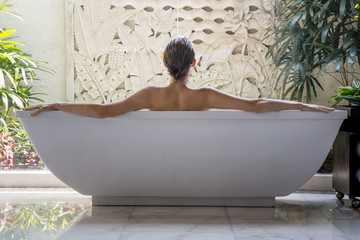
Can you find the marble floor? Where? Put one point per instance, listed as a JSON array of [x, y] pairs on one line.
[[64, 214]]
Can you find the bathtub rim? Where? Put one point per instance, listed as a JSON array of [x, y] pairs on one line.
[[205, 115]]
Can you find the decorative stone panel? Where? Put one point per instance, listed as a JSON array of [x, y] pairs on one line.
[[118, 46]]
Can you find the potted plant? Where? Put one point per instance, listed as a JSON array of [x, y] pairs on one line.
[[352, 95], [314, 36]]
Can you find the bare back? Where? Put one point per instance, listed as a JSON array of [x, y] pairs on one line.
[[177, 98]]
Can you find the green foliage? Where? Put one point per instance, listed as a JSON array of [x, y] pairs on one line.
[[17, 71], [351, 94], [314, 35]]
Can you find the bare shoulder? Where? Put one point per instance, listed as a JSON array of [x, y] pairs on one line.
[[147, 91], [152, 89], [204, 90], [214, 93], [208, 92]]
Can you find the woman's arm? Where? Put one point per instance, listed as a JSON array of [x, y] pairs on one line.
[[220, 100], [137, 101]]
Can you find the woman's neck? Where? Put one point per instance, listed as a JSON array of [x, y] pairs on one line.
[[178, 83]]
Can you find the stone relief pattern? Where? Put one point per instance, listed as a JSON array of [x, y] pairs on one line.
[[118, 46]]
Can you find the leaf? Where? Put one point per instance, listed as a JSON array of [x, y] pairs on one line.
[[295, 19], [311, 12], [352, 6], [128, 64], [5, 102], [301, 91], [324, 33], [351, 61], [347, 40], [277, 43], [346, 88], [342, 7], [107, 29], [3, 4], [327, 66], [243, 69], [336, 99], [142, 28], [97, 10], [143, 71], [90, 9], [24, 75], [295, 71], [286, 77], [303, 18], [291, 88], [302, 71], [84, 33], [338, 64], [353, 51], [12, 80], [127, 38], [4, 126], [18, 103], [311, 81], [6, 33], [91, 76], [2, 79], [353, 99]]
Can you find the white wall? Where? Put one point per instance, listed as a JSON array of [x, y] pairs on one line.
[[43, 32]]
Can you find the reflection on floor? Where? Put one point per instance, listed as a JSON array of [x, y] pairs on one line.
[[64, 214]]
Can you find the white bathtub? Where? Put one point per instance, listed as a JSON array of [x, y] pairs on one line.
[[223, 158]]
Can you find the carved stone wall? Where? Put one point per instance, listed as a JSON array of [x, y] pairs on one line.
[[118, 45]]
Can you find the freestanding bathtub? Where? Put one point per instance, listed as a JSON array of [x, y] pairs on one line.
[[219, 158]]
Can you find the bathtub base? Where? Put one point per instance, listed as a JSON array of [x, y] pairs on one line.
[[186, 201]]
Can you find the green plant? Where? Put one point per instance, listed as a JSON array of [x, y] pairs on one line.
[[312, 36], [351, 94], [17, 71]]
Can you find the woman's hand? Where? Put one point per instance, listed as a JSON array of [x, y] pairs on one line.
[[41, 108], [315, 108]]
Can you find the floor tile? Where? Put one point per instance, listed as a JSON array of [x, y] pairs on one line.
[[180, 211], [178, 224], [349, 226], [249, 212], [176, 236], [271, 236], [263, 226]]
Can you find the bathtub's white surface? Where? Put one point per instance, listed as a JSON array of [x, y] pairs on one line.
[[169, 155]]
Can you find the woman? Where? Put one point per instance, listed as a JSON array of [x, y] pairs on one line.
[[179, 56]]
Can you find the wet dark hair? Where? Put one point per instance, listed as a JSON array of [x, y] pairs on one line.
[[178, 57]]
